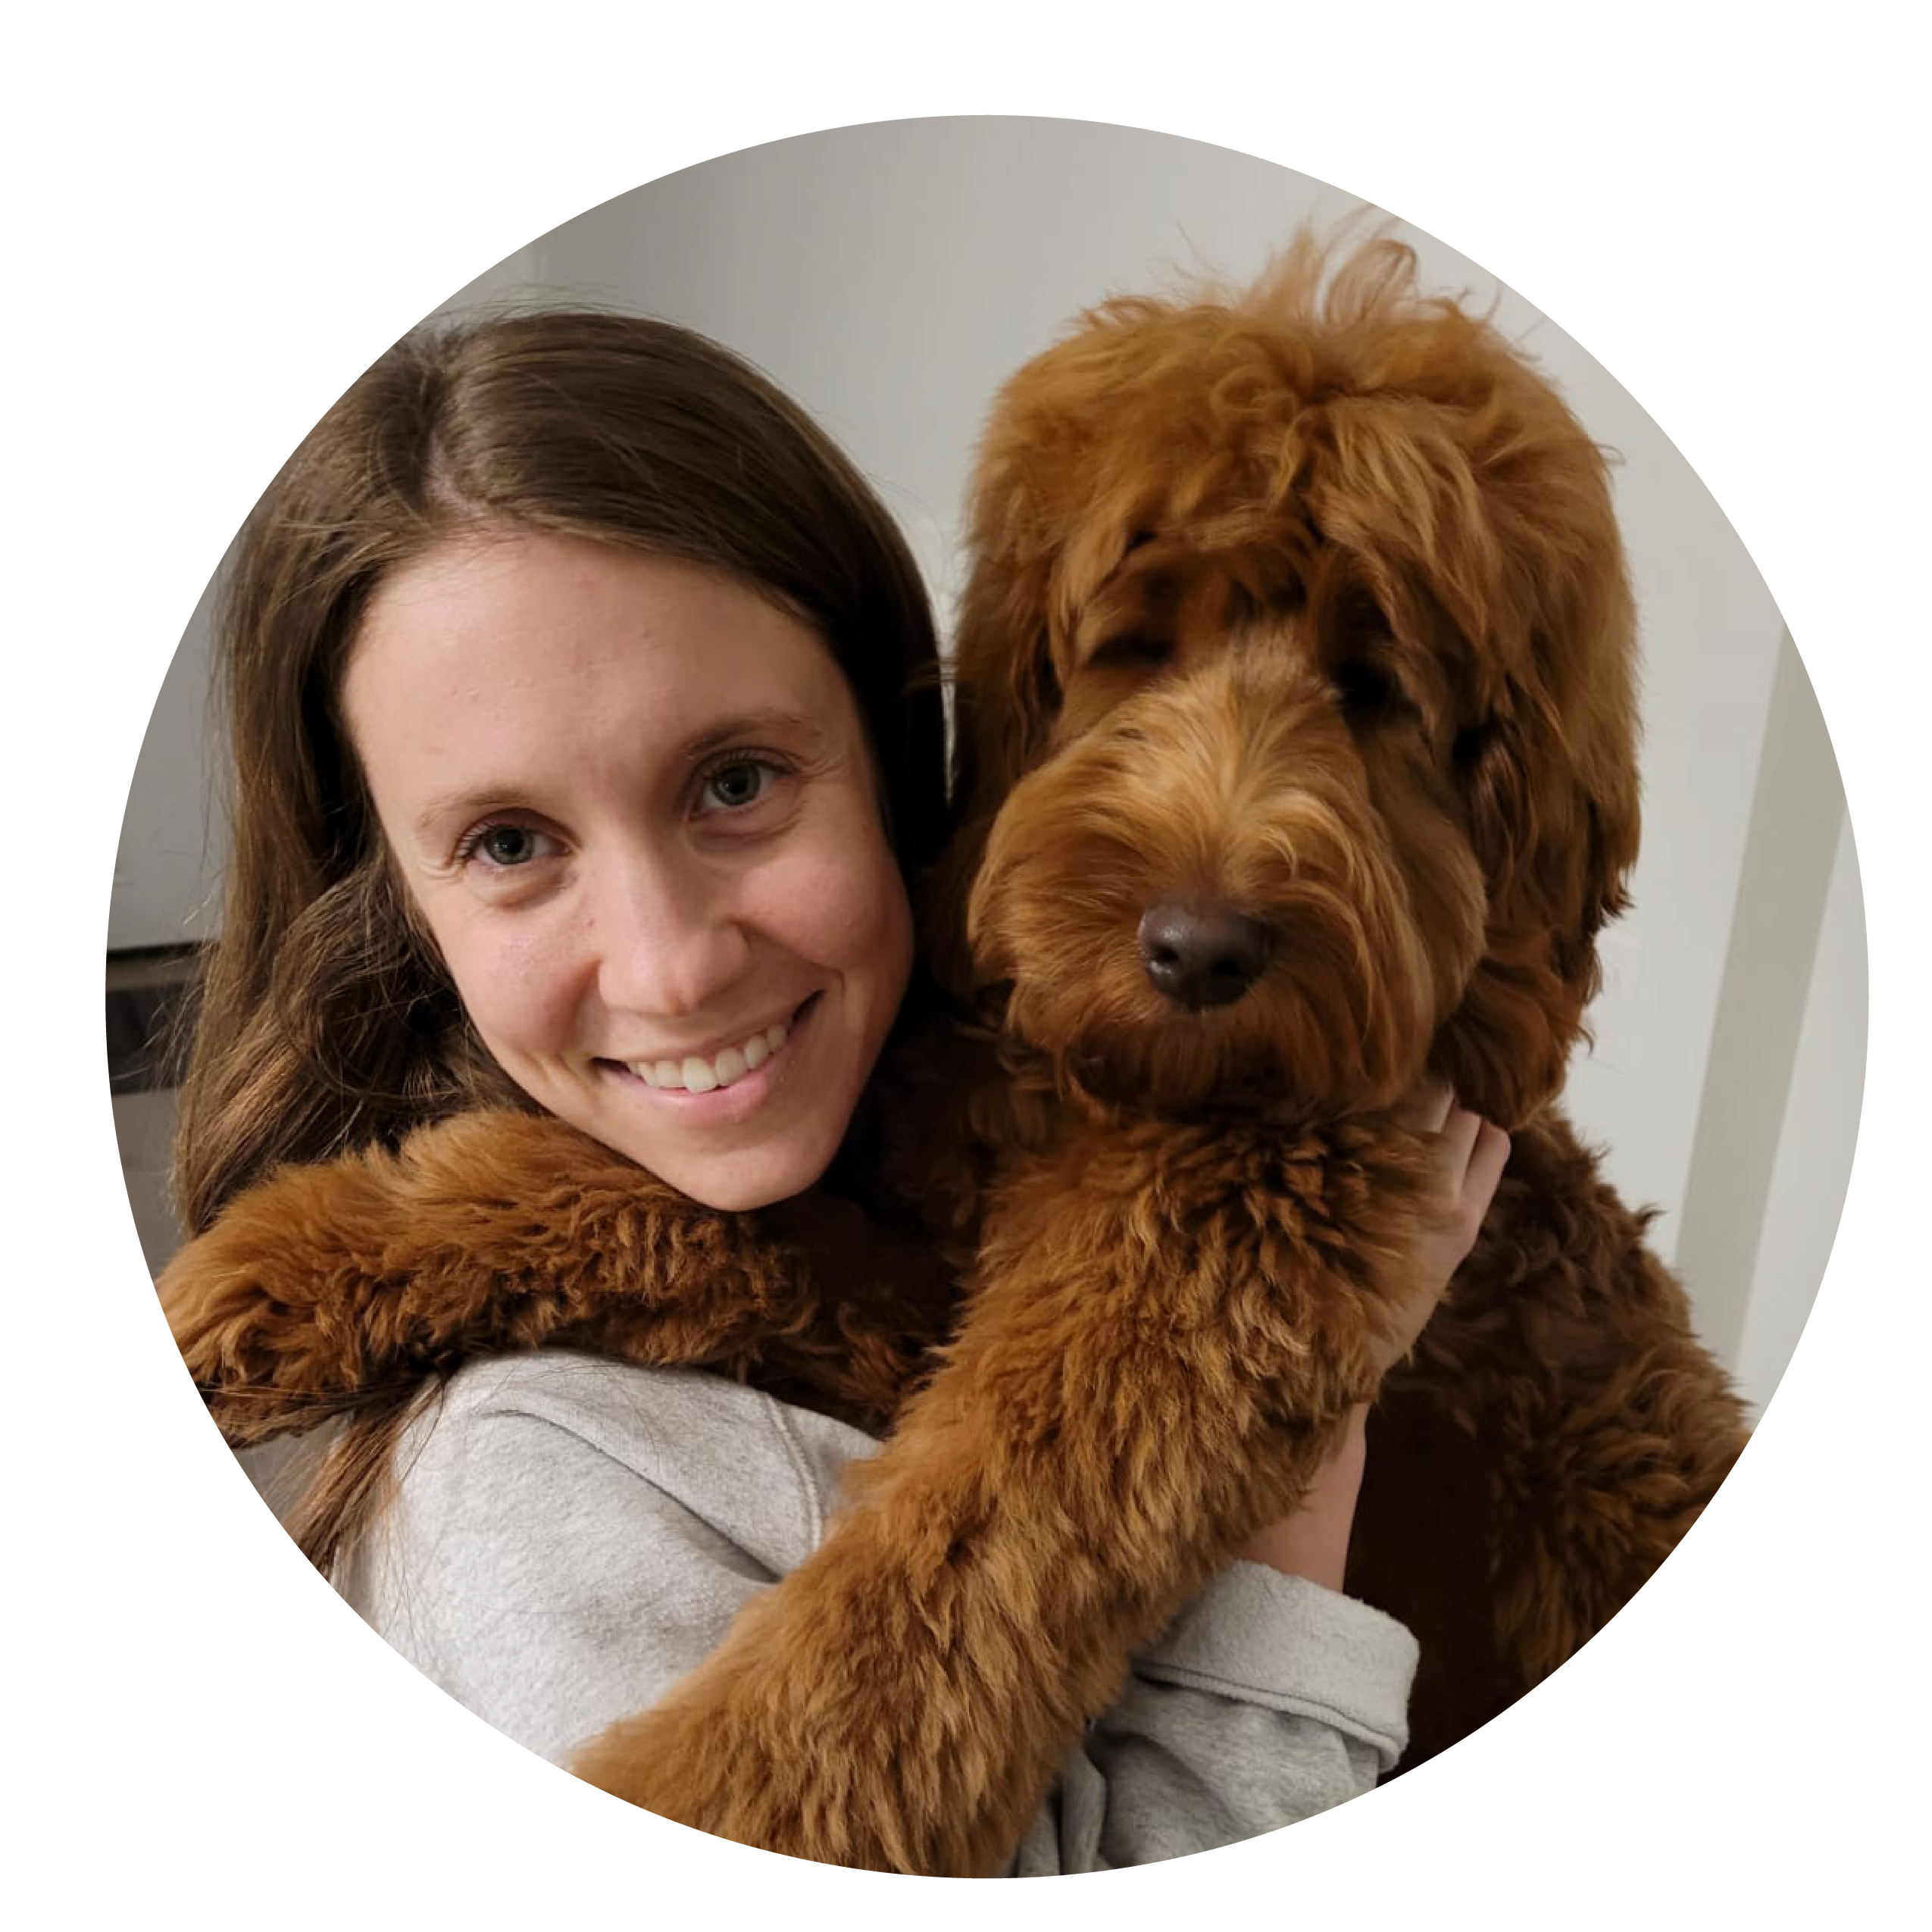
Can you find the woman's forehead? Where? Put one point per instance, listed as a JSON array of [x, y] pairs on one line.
[[511, 630]]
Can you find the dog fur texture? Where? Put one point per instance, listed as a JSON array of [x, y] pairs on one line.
[[1297, 757]]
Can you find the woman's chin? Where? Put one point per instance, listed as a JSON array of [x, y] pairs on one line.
[[739, 1186], [738, 1180]]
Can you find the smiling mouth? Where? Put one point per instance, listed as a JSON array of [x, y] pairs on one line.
[[695, 1073]]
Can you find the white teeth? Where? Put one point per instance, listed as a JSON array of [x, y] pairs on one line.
[[700, 1076]]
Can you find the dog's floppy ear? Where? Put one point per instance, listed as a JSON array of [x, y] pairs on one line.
[[1550, 779], [1464, 475]]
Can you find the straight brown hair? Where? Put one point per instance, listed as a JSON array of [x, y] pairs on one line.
[[322, 1019]]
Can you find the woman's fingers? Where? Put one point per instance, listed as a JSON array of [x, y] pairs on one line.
[[1488, 1159], [1427, 1106], [1474, 1151], [1456, 1140]]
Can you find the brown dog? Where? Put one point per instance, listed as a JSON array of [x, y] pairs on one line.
[[1297, 744]]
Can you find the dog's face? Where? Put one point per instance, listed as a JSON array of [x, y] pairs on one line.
[[1298, 735]]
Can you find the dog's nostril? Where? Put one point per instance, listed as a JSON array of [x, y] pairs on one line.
[[1201, 956]]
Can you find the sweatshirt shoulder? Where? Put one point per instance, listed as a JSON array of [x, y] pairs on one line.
[[761, 1473]]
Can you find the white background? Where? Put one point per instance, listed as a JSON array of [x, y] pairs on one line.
[[229, 215]]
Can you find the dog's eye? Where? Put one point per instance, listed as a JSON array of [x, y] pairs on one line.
[[1363, 691], [1361, 619], [1133, 650]]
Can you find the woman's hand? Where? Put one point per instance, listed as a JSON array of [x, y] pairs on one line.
[[1473, 1153], [1314, 1542]]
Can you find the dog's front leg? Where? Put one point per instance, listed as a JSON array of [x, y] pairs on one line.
[[498, 1231], [1171, 1325]]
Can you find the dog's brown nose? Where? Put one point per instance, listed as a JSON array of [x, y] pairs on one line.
[[1201, 956]]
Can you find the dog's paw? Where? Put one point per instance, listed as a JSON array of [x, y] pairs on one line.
[[263, 1305], [324, 1281]]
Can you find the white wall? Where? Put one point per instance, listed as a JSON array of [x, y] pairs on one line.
[[1795, 880], [890, 276], [171, 839], [1805, 1187]]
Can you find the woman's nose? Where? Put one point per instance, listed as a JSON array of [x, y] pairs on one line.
[[668, 940]]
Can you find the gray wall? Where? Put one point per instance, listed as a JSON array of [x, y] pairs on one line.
[[890, 275]]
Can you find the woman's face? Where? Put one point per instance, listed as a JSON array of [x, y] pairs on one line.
[[636, 805]]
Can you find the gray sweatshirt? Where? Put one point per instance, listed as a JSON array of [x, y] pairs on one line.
[[570, 1536]]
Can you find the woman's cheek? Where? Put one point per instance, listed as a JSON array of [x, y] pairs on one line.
[[851, 906], [513, 984]]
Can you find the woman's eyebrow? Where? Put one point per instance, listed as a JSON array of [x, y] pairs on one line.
[[461, 806], [770, 721]]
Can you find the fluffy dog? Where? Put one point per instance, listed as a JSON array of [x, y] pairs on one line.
[[1296, 757]]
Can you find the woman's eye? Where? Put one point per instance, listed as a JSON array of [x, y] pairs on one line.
[[505, 846], [742, 781]]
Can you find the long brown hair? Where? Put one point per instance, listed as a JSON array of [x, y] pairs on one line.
[[323, 1019]]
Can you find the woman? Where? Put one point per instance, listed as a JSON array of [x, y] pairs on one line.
[[586, 741]]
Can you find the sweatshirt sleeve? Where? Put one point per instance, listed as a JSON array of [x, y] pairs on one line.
[[565, 1546], [1272, 1699], [529, 1566]]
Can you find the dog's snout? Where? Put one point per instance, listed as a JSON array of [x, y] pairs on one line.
[[1201, 956]]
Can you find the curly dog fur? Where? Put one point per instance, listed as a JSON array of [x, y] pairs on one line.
[[1297, 756]]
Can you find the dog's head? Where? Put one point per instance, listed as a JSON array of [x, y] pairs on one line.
[[1296, 731]]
